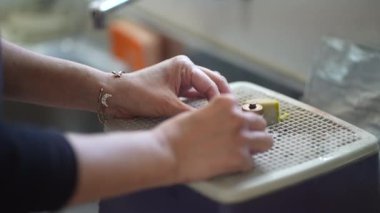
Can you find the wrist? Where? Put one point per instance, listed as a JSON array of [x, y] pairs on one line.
[[169, 154], [112, 98], [118, 102]]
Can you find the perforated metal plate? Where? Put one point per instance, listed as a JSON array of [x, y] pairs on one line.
[[307, 143]]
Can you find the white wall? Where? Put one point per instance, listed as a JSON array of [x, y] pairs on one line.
[[283, 34]]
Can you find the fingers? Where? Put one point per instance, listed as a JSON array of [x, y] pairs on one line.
[[244, 162], [258, 141], [255, 122], [208, 83], [203, 84], [191, 93], [175, 107], [253, 133], [219, 80], [182, 107], [250, 125], [226, 102]]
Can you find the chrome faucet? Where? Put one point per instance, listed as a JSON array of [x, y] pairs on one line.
[[100, 8]]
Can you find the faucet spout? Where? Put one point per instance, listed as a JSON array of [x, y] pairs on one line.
[[100, 8]]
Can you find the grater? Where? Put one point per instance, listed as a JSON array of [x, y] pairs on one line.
[[308, 144]]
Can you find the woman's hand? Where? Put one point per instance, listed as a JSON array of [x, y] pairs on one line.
[[154, 91], [217, 139]]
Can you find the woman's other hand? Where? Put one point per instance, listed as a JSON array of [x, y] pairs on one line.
[[154, 91], [214, 140]]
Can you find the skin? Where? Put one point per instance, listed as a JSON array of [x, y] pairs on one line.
[[110, 164]]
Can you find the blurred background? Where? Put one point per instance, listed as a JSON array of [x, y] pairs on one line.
[[272, 43]]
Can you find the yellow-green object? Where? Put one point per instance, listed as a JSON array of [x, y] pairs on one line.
[[284, 116], [271, 109]]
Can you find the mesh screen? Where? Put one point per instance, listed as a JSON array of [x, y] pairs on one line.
[[304, 135]]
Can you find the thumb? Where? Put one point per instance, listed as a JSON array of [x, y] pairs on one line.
[[179, 107]]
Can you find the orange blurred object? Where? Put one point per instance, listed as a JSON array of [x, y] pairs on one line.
[[134, 45]]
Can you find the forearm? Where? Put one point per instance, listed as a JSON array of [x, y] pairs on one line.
[[117, 163], [34, 78]]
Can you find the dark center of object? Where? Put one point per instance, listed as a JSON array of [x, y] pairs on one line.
[[252, 106]]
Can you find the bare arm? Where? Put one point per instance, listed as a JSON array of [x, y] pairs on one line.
[[34, 78], [153, 91], [112, 164], [117, 163]]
